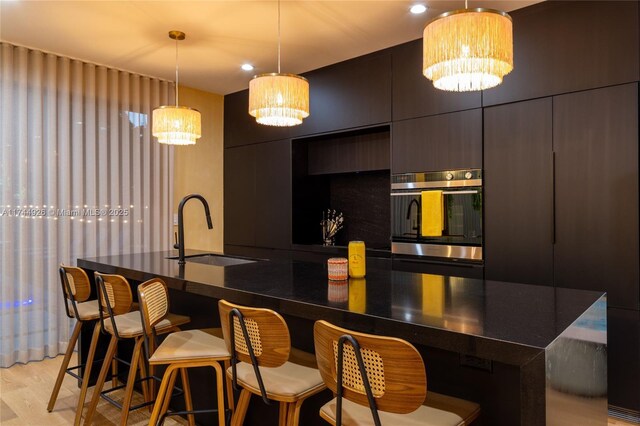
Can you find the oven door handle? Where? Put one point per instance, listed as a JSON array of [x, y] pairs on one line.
[[473, 191]]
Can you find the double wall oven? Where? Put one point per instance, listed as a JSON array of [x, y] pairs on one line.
[[461, 214]]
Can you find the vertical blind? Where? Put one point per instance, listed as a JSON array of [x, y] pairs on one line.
[[80, 176]]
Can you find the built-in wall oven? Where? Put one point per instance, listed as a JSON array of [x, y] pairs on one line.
[[461, 214]]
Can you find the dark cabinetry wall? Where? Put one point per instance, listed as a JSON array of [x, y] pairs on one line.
[[239, 195], [441, 142], [364, 150], [257, 195], [350, 94], [518, 195], [562, 47], [595, 137], [414, 95], [273, 194]]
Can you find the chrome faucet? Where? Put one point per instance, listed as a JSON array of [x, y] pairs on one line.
[[180, 243], [415, 201]]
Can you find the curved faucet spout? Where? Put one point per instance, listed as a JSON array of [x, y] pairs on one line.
[[180, 245], [417, 203]]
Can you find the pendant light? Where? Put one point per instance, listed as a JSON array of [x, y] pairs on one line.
[[468, 49], [277, 99], [176, 125]]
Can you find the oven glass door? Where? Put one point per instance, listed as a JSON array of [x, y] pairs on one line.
[[462, 217]]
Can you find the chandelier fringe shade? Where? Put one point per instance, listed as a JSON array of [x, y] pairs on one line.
[[176, 125], [279, 99], [468, 49]]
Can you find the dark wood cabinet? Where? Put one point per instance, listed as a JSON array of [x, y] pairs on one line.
[[239, 196], [518, 192], [346, 152], [273, 194], [623, 352], [354, 93], [240, 128], [257, 195], [442, 142], [414, 94], [595, 136], [566, 46]]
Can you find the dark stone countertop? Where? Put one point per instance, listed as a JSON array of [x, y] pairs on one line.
[[505, 322]]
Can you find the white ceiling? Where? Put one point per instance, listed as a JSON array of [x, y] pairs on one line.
[[221, 35]]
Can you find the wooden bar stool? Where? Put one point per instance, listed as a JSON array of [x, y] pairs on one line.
[[118, 320], [393, 390], [179, 351], [260, 345], [76, 290]]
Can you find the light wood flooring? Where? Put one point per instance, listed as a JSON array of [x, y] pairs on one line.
[[25, 391]]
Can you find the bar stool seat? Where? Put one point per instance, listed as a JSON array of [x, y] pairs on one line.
[[189, 345], [180, 351], [358, 415], [120, 322], [260, 345], [380, 380], [129, 324], [87, 311], [289, 380], [76, 289]]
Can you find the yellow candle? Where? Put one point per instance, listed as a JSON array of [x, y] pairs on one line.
[[357, 259]]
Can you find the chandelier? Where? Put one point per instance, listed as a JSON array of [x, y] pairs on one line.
[[277, 99], [468, 50], [176, 125]]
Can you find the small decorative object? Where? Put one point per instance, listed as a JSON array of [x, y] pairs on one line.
[[357, 259], [338, 268], [331, 224], [338, 291]]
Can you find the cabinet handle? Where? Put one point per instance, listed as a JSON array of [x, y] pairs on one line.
[[553, 197]]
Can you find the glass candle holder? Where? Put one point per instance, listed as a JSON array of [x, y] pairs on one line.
[[338, 268]]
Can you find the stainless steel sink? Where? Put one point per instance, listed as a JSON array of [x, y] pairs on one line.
[[218, 259]]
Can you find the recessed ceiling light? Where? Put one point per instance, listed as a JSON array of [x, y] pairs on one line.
[[247, 67], [416, 9]]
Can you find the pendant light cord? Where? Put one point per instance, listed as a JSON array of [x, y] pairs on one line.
[[177, 71], [279, 36]]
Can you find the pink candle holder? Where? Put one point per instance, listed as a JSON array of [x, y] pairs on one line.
[[338, 268]]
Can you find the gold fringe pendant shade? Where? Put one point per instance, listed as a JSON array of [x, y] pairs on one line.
[[174, 124], [468, 50], [279, 99]]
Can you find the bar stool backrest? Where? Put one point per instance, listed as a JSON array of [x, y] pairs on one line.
[[76, 288], [114, 297], [154, 303], [394, 368], [268, 334]]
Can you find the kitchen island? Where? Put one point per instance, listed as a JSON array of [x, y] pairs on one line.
[[530, 355]]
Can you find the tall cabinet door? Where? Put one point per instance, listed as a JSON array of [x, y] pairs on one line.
[[518, 196], [239, 196], [596, 144], [273, 194]]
